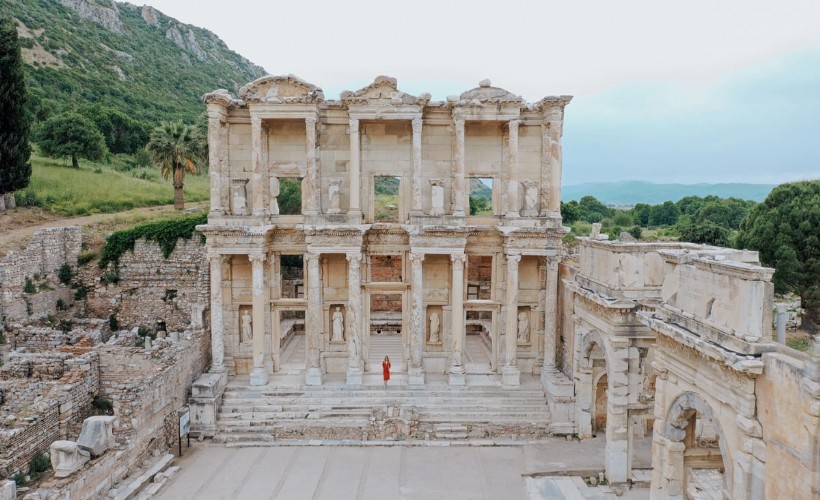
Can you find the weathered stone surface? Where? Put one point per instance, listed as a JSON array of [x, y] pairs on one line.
[[67, 457], [97, 435]]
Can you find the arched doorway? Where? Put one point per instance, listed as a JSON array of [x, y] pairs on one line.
[[599, 408], [704, 460]]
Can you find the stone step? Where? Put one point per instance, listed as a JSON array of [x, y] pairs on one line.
[[133, 487], [280, 404], [382, 393]]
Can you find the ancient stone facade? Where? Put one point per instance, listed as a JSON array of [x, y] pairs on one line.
[[672, 342], [383, 175]]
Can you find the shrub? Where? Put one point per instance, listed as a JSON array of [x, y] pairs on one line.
[[102, 406], [20, 479], [636, 232], [111, 276], [61, 305], [64, 274], [81, 293], [29, 287], [86, 257], [39, 463], [165, 232], [65, 325], [28, 198], [113, 322]]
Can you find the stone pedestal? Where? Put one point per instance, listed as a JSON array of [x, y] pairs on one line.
[[67, 458], [560, 392], [97, 435], [511, 376], [457, 377], [415, 376], [8, 490], [206, 397]]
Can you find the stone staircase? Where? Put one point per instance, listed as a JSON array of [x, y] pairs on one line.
[[251, 415]]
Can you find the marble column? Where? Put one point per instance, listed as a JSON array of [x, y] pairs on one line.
[[551, 316], [416, 371], [217, 322], [355, 365], [458, 192], [457, 320], [313, 201], [417, 176], [313, 320], [554, 127], [511, 374], [512, 168], [257, 184], [355, 167], [215, 124], [259, 374]]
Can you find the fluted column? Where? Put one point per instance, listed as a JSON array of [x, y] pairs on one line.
[[458, 193], [417, 177], [313, 202], [217, 324], [354, 320], [457, 320], [257, 184], [416, 371], [215, 147], [512, 168], [510, 371], [313, 320], [551, 316], [554, 127], [259, 374], [355, 169]]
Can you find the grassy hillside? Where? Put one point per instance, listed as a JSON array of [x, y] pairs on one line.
[[628, 193], [96, 188], [129, 58]]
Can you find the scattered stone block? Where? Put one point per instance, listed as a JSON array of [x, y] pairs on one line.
[[67, 457], [97, 435]]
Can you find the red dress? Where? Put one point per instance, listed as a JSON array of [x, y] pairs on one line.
[[386, 370]]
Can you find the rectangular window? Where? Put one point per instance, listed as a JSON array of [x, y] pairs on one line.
[[481, 196], [290, 196], [386, 199], [291, 270], [479, 277]]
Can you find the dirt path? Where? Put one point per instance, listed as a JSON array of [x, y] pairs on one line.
[[17, 226]]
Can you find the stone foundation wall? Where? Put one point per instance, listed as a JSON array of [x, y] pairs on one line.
[[48, 396], [49, 250], [84, 334], [153, 288]]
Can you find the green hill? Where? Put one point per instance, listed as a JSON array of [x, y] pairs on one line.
[[132, 59], [628, 193]]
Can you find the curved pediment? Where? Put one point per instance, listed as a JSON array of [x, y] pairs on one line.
[[281, 89], [485, 92], [383, 91]]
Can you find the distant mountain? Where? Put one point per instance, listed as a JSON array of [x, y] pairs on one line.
[[133, 59], [632, 192]]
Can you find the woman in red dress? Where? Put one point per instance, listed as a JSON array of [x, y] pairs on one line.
[[386, 370]]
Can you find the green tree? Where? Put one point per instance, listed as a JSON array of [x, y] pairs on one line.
[[593, 210], [177, 148], [70, 135], [706, 233], [664, 215], [290, 196], [15, 169], [784, 229], [640, 214], [122, 133], [570, 212]]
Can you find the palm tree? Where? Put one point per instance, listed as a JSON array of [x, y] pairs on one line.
[[176, 148]]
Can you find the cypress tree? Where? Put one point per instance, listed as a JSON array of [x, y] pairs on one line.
[[15, 169]]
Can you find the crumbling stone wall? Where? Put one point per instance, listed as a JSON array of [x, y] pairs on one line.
[[49, 250], [153, 288], [46, 397], [83, 335]]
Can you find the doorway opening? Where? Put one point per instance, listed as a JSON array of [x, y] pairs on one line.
[[386, 331]]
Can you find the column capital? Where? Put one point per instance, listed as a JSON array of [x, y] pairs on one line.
[[552, 263], [459, 122], [416, 257], [214, 256], [256, 120], [513, 258], [513, 124], [458, 259], [310, 121], [354, 258], [354, 125], [312, 256], [257, 258]]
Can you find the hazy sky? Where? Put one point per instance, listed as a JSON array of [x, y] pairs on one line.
[[695, 91]]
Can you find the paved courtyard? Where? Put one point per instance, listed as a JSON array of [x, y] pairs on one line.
[[211, 472]]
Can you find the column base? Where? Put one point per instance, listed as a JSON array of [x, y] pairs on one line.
[[511, 376], [258, 213], [313, 376], [259, 376], [355, 377], [415, 376], [457, 376], [560, 392], [458, 213]]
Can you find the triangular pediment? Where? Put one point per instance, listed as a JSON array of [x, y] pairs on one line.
[[383, 91], [281, 89]]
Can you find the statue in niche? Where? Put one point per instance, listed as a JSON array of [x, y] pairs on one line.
[[333, 196], [523, 328], [247, 326], [436, 197], [530, 198], [338, 326], [274, 195], [435, 337]]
